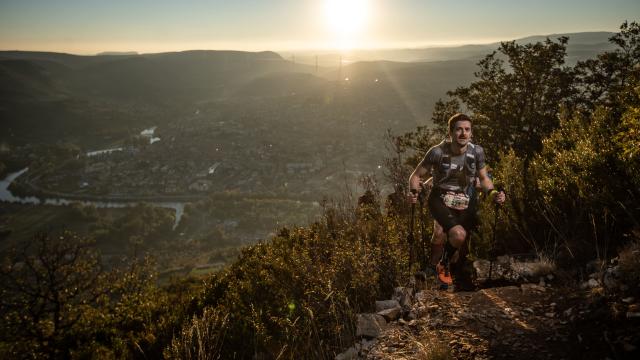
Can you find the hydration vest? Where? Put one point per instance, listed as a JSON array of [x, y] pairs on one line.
[[466, 176]]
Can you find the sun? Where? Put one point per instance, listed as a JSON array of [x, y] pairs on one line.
[[346, 19]]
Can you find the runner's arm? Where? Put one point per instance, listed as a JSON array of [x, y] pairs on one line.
[[431, 158], [416, 176]]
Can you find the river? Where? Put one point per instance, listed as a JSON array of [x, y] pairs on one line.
[[6, 195]]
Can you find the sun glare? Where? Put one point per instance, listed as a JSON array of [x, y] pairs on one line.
[[346, 19]]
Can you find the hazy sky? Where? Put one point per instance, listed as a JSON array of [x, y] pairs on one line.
[[90, 26]]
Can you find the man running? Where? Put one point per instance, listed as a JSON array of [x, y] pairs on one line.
[[455, 164]]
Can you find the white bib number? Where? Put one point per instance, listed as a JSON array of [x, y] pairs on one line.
[[456, 201]]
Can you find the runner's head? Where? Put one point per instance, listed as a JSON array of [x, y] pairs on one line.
[[460, 129], [455, 118]]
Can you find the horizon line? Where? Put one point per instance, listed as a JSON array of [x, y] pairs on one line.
[[318, 48]]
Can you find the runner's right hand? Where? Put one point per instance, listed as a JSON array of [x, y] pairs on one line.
[[412, 197], [427, 185]]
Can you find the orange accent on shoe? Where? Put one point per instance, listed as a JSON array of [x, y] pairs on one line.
[[443, 274]]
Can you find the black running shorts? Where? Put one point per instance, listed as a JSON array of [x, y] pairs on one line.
[[448, 217]]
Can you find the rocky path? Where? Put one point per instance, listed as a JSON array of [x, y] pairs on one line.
[[528, 321], [507, 322]]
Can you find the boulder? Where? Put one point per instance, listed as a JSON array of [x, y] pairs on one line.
[[370, 325], [391, 314], [404, 296], [366, 345], [386, 304], [349, 354]]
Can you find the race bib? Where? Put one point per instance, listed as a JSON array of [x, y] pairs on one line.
[[456, 201]]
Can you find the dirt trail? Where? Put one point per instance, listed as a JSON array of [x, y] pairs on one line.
[[513, 322]]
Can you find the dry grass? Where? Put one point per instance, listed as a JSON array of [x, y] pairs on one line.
[[201, 339], [629, 264], [432, 350], [403, 345], [544, 265]]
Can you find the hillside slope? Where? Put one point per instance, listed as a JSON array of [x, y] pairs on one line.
[[513, 322]]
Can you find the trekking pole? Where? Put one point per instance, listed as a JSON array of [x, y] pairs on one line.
[[410, 239], [493, 240], [423, 233]]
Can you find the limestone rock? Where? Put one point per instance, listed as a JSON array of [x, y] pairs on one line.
[[349, 354], [370, 325], [366, 345], [386, 304], [404, 296], [391, 314]]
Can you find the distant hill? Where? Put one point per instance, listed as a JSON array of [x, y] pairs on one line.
[[69, 60], [117, 53], [47, 96], [29, 80], [594, 37], [193, 76], [180, 76], [581, 45]]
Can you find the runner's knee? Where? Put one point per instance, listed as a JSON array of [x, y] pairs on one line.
[[457, 235]]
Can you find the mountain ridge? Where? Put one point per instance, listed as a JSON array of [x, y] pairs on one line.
[[181, 80]]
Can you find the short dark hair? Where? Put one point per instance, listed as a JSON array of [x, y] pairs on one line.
[[455, 118]]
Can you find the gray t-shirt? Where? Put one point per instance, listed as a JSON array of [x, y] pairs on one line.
[[454, 172]]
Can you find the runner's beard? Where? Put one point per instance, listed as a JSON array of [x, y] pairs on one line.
[[462, 141]]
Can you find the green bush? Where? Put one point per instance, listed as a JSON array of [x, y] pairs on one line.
[[59, 303], [298, 294]]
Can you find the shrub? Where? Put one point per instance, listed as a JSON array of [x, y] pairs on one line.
[[298, 294]]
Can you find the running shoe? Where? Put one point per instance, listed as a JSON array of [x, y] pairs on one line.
[[444, 275]]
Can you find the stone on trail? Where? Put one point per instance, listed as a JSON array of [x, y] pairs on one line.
[[391, 314], [386, 304], [350, 353], [404, 296], [370, 325]]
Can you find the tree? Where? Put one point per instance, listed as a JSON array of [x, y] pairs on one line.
[[587, 172], [45, 290], [565, 139], [516, 106], [608, 80], [58, 302]]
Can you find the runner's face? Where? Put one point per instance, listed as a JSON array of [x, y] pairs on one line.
[[462, 132]]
